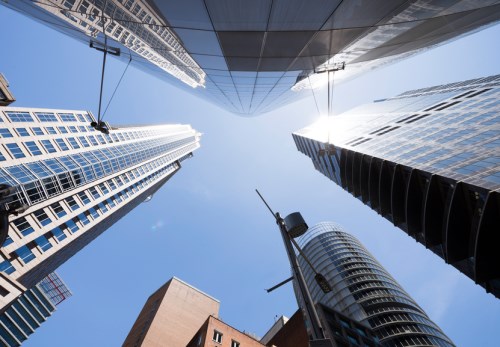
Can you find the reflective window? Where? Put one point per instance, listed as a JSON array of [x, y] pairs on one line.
[[33, 148], [58, 233], [72, 129], [83, 219], [15, 150], [46, 117], [23, 226], [62, 145], [67, 117], [42, 217], [73, 205], [22, 132], [49, 147], [83, 196], [43, 243], [73, 143], [6, 267], [19, 116], [25, 254], [84, 141], [62, 130], [5, 133], [58, 209], [51, 130], [37, 131]]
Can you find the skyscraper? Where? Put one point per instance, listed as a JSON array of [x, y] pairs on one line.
[[171, 316], [69, 183], [363, 291], [428, 161], [25, 314], [252, 56]]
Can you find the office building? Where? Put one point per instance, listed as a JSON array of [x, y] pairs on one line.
[[253, 56], [215, 332], [6, 97], [364, 292], [70, 182], [25, 314], [340, 329], [428, 160], [171, 316]]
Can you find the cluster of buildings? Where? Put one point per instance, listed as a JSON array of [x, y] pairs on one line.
[[427, 160]]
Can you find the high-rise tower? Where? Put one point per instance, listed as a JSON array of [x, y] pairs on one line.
[[252, 56], [69, 183], [363, 290], [428, 161]]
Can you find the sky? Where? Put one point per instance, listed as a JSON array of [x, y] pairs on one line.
[[207, 225]]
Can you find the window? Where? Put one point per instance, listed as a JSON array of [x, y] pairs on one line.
[[6, 267], [72, 203], [62, 129], [67, 117], [25, 254], [84, 141], [33, 148], [58, 233], [42, 217], [235, 343], [46, 117], [19, 116], [37, 131], [49, 147], [23, 226], [15, 150], [73, 143], [51, 130], [83, 196], [94, 193], [217, 336], [58, 209], [83, 218], [43, 243], [5, 133], [352, 340], [22, 132], [62, 145]]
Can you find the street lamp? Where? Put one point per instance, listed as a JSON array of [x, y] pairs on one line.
[[290, 227]]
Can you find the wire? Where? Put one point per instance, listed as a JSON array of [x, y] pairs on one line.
[[103, 63], [116, 88]]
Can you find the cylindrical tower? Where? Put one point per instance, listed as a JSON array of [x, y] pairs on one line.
[[363, 290]]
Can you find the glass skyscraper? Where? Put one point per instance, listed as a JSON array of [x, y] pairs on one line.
[[25, 314], [253, 56], [70, 183], [363, 290], [428, 160]]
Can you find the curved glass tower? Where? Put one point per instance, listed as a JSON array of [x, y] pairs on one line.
[[363, 290]]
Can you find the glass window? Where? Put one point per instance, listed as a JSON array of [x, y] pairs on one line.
[[37, 131], [72, 129], [83, 218], [15, 150], [73, 205], [51, 130], [6, 267], [58, 209], [49, 147], [73, 143], [67, 117], [23, 226], [84, 141], [43, 243], [33, 148], [94, 193], [42, 217], [217, 336], [5, 133], [58, 233], [22, 132], [92, 211], [46, 117], [235, 343], [83, 196], [25, 254], [62, 145], [62, 130], [19, 116], [93, 140]]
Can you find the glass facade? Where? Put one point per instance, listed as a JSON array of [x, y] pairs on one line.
[[363, 290], [24, 315], [253, 56], [428, 160], [75, 183]]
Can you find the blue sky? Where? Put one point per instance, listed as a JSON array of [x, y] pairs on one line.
[[206, 225]]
